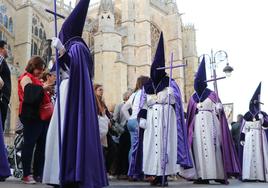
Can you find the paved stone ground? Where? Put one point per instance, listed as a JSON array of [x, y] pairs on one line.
[[15, 183]]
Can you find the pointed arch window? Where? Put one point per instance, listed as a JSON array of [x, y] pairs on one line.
[[155, 34], [40, 33], [32, 48], [1, 18], [34, 21], [10, 28], [35, 49], [9, 50], [6, 21], [36, 31]]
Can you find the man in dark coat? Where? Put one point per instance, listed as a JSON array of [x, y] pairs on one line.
[[5, 91]]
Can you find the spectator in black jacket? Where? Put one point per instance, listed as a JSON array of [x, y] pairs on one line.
[[5, 91]]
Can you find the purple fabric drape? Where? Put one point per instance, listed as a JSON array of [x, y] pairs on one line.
[[183, 155], [82, 162], [230, 158]]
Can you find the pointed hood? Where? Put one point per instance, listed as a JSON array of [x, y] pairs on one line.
[[254, 105], [159, 61], [199, 82], [74, 24]]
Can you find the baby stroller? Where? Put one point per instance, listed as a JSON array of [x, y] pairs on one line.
[[14, 153]]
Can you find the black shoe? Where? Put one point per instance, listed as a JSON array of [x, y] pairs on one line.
[[247, 180], [225, 182], [38, 179], [157, 182], [2, 179], [200, 181], [54, 185]]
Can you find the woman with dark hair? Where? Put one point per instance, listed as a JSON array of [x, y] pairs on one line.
[[104, 118], [104, 115], [32, 95], [133, 102]]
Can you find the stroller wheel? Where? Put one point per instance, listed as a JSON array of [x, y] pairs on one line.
[[18, 173]]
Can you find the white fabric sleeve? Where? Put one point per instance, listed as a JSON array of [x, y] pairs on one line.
[[125, 108]]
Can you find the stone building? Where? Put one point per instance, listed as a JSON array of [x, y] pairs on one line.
[[122, 35]]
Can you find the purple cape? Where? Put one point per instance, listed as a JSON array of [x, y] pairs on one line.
[[4, 166], [81, 161], [183, 154], [230, 158]]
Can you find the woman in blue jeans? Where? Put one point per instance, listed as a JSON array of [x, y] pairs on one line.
[[133, 103]]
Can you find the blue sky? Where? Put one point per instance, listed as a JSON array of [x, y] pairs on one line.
[[240, 28]]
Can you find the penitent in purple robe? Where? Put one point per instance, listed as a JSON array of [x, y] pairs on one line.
[[254, 132], [208, 133], [231, 164], [81, 159], [181, 150]]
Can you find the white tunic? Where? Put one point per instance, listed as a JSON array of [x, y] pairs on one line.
[[154, 132], [255, 155], [207, 142], [51, 167]]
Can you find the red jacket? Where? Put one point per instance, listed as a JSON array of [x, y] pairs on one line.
[[35, 81]]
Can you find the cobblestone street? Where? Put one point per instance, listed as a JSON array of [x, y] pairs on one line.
[[14, 183]]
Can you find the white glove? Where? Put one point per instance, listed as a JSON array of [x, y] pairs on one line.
[[1, 83], [142, 123], [264, 128], [219, 107], [56, 43], [50, 64], [169, 91], [242, 143], [261, 118]]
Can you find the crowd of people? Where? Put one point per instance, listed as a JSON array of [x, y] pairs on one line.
[[76, 141]]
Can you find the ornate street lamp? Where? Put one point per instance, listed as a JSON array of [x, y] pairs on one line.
[[214, 59], [228, 70]]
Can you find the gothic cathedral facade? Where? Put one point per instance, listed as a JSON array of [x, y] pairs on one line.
[[122, 36]]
